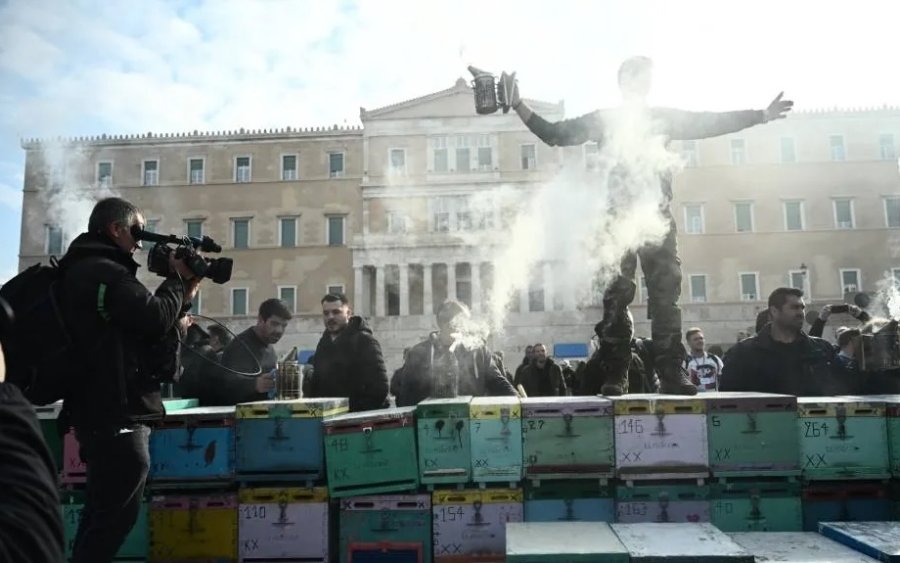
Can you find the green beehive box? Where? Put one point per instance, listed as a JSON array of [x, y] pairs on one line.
[[445, 455], [136, 543], [48, 415], [563, 542], [662, 502], [173, 405], [680, 543], [385, 528], [496, 437], [892, 411], [747, 436], [568, 438], [371, 452], [757, 506], [843, 438]]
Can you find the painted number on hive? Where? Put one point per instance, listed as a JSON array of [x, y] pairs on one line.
[[815, 429], [630, 426], [253, 511], [339, 444], [534, 425], [449, 513]]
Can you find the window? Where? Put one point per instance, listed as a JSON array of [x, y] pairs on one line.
[[689, 153], [240, 233], [54, 240], [536, 289], [749, 287], [797, 279], [335, 164], [335, 290], [464, 283], [288, 294], [196, 171], [197, 304], [397, 222], [738, 153], [335, 231], [793, 215], [529, 157], [288, 167], [463, 160], [287, 232], [397, 161], [151, 172], [886, 142], [463, 214], [485, 158], [592, 156], [152, 226], [440, 158], [693, 219], [242, 169], [892, 211], [239, 301], [743, 217], [843, 213], [441, 214], [788, 153], [104, 174], [698, 288], [645, 294], [194, 227], [850, 282], [837, 148]]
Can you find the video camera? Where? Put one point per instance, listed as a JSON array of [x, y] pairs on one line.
[[216, 269]]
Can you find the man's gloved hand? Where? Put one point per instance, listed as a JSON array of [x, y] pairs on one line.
[[509, 91], [854, 311], [778, 109], [825, 313]]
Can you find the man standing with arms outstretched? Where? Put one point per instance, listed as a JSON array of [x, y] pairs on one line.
[[659, 261]]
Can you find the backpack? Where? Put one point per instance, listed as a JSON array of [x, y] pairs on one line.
[[38, 347]]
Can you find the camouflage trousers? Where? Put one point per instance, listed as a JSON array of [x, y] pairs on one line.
[[662, 271]]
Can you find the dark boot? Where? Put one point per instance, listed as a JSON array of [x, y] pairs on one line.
[[674, 380], [615, 376]]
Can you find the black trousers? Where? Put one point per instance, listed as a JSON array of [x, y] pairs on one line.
[[117, 467]]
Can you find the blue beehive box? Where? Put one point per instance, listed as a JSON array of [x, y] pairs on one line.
[[569, 501], [192, 445], [282, 440], [880, 540], [496, 438], [796, 547], [851, 501], [385, 528]]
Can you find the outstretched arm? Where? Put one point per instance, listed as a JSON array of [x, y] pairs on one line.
[[686, 125]]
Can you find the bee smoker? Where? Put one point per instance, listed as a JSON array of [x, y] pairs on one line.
[[881, 349], [289, 380], [490, 96]]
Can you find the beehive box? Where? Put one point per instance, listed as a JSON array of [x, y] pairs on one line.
[[136, 543], [563, 542], [757, 506], [47, 416], [844, 502], [371, 452], [662, 502], [445, 454], [74, 471], [195, 444], [880, 540], [193, 527], [173, 405], [471, 525], [568, 438], [843, 438], [282, 440], [385, 528], [569, 501], [892, 411], [661, 437], [496, 439], [284, 524], [747, 436], [796, 547], [679, 543]]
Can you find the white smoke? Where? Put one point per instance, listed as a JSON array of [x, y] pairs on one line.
[[886, 301]]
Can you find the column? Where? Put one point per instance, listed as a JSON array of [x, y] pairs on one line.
[[365, 217], [427, 297], [451, 280], [476, 287], [548, 286], [404, 290], [358, 289], [379, 291]]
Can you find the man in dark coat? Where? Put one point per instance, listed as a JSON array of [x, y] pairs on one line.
[[659, 261], [126, 341], [348, 361], [542, 377], [526, 361], [781, 358], [450, 363]]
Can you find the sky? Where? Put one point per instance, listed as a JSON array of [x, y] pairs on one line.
[[87, 67]]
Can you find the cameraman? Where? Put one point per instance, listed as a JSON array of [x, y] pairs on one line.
[[127, 343]]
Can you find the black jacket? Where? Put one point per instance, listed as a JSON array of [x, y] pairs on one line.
[[542, 382], [198, 376], [478, 374], [126, 337], [31, 527], [805, 367], [350, 366], [230, 388]]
